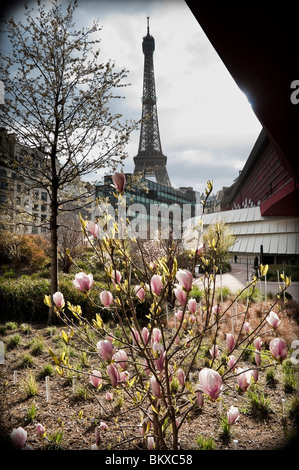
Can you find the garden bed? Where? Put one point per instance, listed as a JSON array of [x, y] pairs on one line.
[[268, 409]]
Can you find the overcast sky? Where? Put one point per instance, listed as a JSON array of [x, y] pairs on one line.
[[207, 126]]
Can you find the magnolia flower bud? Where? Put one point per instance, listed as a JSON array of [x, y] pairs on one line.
[[214, 351], [19, 437], [243, 378], [278, 349], [93, 229], [145, 334], [231, 362], [233, 415], [119, 181], [58, 299], [83, 282], [40, 429], [181, 376], [199, 397], [116, 277], [155, 387], [230, 342], [121, 358], [210, 382], [273, 319], [258, 343], [156, 335], [106, 298], [96, 378], [105, 349], [156, 284], [140, 292], [113, 375], [192, 305], [180, 294], [185, 279]]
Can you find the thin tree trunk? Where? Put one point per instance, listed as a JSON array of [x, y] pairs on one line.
[[53, 257]]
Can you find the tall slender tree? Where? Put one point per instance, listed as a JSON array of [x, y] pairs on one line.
[[58, 97]]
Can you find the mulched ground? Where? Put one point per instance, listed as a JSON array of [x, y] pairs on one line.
[[76, 416]]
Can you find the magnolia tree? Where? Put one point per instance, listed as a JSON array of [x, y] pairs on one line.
[[160, 365]]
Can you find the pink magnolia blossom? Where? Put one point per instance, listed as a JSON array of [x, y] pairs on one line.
[[93, 228], [119, 181], [200, 249], [40, 429], [181, 376], [255, 374], [156, 284], [105, 349], [230, 342], [19, 437], [192, 305], [83, 282], [150, 443], [96, 378], [257, 358], [247, 327], [145, 334], [135, 337], [160, 361], [233, 415], [192, 319], [113, 375], [156, 335], [231, 362], [124, 377], [180, 294], [110, 337], [273, 319], [258, 343], [116, 277], [185, 279], [278, 349], [121, 358], [210, 382], [178, 314], [58, 299], [199, 397], [103, 426], [243, 378], [106, 298], [216, 310], [214, 351], [155, 387], [140, 292], [177, 340], [109, 396]]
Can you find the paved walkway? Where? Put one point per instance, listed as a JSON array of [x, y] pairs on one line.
[[237, 279]]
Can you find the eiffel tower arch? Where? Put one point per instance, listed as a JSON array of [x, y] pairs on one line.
[[150, 159]]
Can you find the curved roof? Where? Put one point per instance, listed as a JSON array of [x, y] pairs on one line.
[[278, 235]]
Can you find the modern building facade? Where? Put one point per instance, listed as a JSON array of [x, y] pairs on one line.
[[153, 208], [261, 209]]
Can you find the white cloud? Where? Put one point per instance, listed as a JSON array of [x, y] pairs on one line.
[[207, 126]]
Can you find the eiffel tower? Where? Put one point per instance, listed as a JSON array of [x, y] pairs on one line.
[[150, 160]]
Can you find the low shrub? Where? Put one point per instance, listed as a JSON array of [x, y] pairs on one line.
[[22, 300]]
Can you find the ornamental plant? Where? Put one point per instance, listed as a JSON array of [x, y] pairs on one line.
[[158, 365]]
